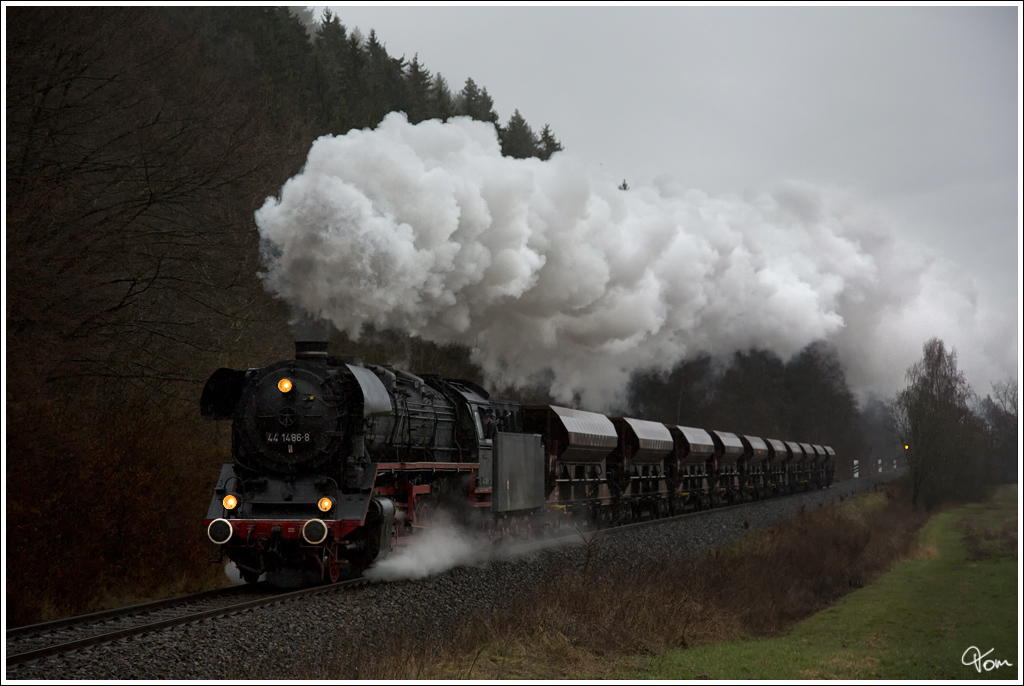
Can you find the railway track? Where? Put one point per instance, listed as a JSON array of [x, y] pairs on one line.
[[28, 643]]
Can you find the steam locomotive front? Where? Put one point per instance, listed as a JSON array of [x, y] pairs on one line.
[[298, 495]]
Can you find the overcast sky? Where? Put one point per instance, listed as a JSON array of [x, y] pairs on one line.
[[916, 110]]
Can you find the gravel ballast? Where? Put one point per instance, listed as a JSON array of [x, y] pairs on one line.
[[304, 638]]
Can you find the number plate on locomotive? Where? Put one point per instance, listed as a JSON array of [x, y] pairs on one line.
[[276, 437]]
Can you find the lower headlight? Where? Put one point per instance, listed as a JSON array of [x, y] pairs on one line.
[[314, 531], [219, 531], [230, 502], [325, 504]]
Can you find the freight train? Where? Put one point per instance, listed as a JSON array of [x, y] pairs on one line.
[[336, 461]]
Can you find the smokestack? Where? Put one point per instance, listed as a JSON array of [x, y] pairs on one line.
[[311, 350]]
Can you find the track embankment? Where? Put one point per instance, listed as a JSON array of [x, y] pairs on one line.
[[348, 634]]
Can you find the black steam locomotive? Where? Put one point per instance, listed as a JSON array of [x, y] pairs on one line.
[[334, 462]]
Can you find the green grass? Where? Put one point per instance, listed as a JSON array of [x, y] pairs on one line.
[[915, 622]]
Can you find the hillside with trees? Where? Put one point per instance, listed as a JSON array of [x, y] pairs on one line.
[[139, 143], [140, 140]]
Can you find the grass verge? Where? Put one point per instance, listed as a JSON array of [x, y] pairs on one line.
[[594, 623], [915, 622]]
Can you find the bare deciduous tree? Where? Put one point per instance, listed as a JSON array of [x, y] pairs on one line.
[[947, 450], [1002, 420]]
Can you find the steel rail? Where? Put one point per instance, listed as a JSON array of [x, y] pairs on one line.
[[78, 644], [149, 606]]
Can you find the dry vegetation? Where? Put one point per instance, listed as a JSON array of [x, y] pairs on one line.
[[587, 624]]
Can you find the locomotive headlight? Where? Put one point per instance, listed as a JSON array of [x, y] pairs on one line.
[[314, 531], [219, 531], [230, 502], [325, 504], [284, 385]]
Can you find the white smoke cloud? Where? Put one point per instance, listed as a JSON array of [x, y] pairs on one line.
[[547, 265]]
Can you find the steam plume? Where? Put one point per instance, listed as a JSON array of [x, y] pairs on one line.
[[547, 265]]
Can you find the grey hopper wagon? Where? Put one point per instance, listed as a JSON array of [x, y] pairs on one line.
[[779, 452], [728, 447], [578, 443], [754, 449], [693, 445], [637, 464]]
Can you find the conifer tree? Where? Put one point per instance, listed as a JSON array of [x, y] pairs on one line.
[[418, 86], [476, 103], [384, 81], [518, 139], [305, 15], [442, 104], [359, 107], [332, 78], [549, 145]]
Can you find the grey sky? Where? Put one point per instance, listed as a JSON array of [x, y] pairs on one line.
[[915, 109]]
